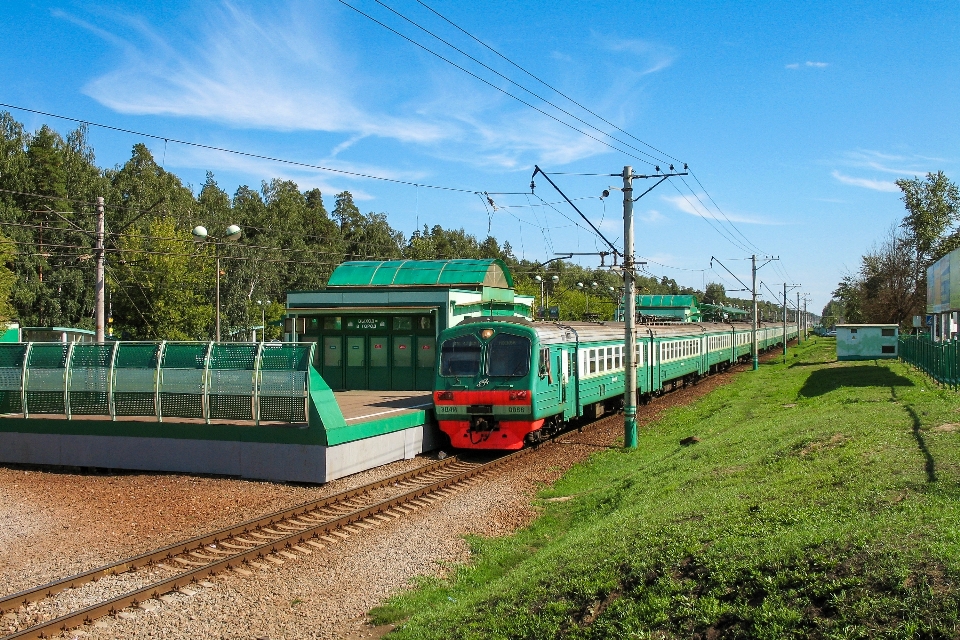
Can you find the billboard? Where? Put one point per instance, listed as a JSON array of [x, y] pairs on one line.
[[943, 284]]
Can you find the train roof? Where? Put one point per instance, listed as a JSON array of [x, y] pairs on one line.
[[553, 332]]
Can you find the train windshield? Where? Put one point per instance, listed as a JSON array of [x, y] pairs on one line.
[[460, 356], [508, 355]]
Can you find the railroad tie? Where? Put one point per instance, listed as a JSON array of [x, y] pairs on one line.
[[190, 562], [218, 551]]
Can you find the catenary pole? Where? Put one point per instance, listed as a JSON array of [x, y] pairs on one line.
[[218, 292], [756, 355], [784, 318], [98, 288], [798, 317], [630, 316]]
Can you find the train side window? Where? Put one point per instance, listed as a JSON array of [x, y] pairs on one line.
[[593, 360], [544, 362], [609, 358]]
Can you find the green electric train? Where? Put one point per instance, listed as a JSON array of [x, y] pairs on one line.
[[505, 382]]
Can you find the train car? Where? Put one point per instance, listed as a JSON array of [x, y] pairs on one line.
[[505, 382]]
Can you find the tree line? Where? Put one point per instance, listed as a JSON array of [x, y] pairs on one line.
[[890, 283], [160, 282]]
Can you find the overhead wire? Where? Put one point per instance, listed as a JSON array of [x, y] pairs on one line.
[[726, 236], [552, 88], [518, 85], [487, 82], [239, 153]]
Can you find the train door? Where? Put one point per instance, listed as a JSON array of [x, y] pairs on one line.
[[355, 373], [569, 384], [426, 362], [402, 372], [331, 365], [379, 359]]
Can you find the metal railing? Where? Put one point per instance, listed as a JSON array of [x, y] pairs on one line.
[[256, 382], [939, 360]]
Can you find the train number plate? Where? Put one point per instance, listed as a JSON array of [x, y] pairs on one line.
[[447, 409], [516, 409], [480, 408]]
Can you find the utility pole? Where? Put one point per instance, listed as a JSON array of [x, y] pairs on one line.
[[629, 289], [218, 291], [784, 319], [98, 287], [756, 348], [785, 287], [630, 316], [799, 337]]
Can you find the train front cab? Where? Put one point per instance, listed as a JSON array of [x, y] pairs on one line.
[[494, 383]]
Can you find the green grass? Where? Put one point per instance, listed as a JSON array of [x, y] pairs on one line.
[[834, 518]]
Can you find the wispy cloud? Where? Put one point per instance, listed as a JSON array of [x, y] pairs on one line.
[[896, 164], [652, 56], [866, 183], [690, 206], [288, 69], [274, 71], [808, 63], [903, 165]]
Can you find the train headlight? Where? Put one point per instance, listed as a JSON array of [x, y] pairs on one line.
[[486, 334], [445, 395]]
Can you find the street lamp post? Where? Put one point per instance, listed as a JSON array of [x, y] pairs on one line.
[[263, 319], [232, 234], [543, 306], [554, 280]]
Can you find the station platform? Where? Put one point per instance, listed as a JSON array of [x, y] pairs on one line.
[[282, 424]]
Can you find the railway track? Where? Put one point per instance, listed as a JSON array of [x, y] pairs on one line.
[[261, 542]]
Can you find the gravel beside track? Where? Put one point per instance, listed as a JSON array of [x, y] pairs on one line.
[[55, 524]]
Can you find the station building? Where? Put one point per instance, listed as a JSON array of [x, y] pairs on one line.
[[376, 324]]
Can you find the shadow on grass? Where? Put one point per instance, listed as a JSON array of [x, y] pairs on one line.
[[929, 465], [826, 380]]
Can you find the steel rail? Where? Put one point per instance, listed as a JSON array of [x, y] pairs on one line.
[[16, 600], [133, 598]]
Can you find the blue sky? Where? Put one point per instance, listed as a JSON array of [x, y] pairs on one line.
[[796, 117]]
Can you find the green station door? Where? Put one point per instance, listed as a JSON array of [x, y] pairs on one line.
[[379, 353]]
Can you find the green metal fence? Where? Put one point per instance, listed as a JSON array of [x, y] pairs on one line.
[[939, 360], [258, 382]]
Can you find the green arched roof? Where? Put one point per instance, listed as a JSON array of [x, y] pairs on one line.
[[422, 273]]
